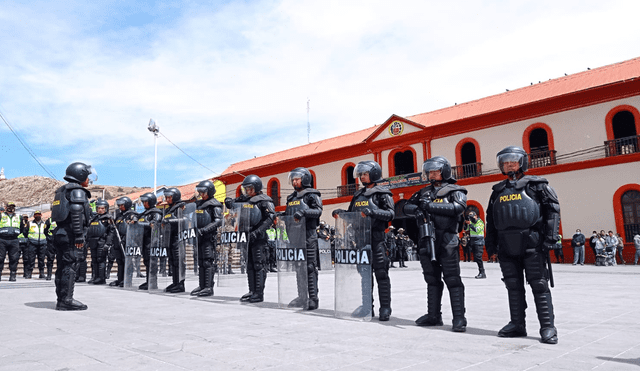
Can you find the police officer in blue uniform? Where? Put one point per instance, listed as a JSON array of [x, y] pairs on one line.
[[263, 213], [305, 202], [523, 218], [71, 212], [150, 216], [444, 203], [209, 218], [376, 202], [100, 237]]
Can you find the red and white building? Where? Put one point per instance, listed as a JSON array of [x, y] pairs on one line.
[[581, 132]]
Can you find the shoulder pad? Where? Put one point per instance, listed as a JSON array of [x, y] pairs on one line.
[[78, 195], [500, 186], [522, 182], [291, 196], [450, 188], [377, 189], [261, 197], [212, 202], [308, 191]]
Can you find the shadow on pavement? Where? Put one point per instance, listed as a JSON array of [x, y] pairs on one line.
[[630, 361], [42, 305]]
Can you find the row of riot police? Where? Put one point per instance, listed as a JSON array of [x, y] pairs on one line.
[[522, 225]]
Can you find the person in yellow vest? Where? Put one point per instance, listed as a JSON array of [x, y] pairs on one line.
[[50, 252], [475, 227], [9, 231], [36, 244]]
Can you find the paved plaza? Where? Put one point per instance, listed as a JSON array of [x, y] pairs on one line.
[[597, 315]]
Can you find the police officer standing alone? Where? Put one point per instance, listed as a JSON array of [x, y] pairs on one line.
[[305, 202], [522, 221], [475, 227], [263, 214], [71, 211], [209, 217], [100, 237], [10, 225], [150, 216], [443, 202], [124, 216], [376, 202]]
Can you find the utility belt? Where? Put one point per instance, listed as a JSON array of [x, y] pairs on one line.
[[8, 236], [514, 243]]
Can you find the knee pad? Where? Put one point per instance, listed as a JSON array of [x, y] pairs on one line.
[[207, 263], [381, 274], [311, 268], [431, 280], [513, 283], [454, 281], [539, 286]]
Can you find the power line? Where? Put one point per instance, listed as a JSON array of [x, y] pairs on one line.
[[26, 147], [186, 154]]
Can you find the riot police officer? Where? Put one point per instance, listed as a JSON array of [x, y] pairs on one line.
[[475, 227], [150, 216], [390, 239], [263, 214], [209, 218], [124, 216], [70, 210], [523, 218], [401, 247], [172, 216], [442, 203], [305, 202], [376, 202], [100, 237]]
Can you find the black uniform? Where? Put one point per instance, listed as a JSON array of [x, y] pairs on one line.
[[263, 214], [122, 220], [445, 204], [101, 235], [81, 274], [401, 249], [150, 216], [9, 243], [390, 239], [72, 213], [522, 222], [379, 201], [49, 227], [308, 204], [209, 217], [173, 216]]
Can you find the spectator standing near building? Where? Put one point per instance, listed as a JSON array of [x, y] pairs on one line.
[[620, 248], [592, 242], [475, 228], [10, 224], [37, 243], [577, 242], [610, 245], [636, 242]]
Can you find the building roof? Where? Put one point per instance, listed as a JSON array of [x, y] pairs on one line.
[[582, 81]]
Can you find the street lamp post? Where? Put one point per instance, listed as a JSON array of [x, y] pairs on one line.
[[155, 129]]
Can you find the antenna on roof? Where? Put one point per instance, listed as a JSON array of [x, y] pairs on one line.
[[308, 124]]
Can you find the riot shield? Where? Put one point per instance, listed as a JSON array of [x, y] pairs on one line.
[[234, 242], [291, 256], [186, 239], [353, 277], [160, 238], [132, 252], [324, 247], [191, 222]]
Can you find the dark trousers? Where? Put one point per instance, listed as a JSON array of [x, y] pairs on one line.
[[9, 246], [68, 261]]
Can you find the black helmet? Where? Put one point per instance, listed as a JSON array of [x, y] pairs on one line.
[[206, 186], [438, 163], [472, 214], [150, 198], [126, 201], [512, 154], [252, 181], [102, 203], [371, 167], [303, 174], [79, 172], [174, 193]]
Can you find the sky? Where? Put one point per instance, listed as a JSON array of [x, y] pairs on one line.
[[229, 80]]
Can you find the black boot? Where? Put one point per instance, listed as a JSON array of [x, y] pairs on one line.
[[384, 293], [258, 294], [66, 301], [456, 294], [517, 326], [108, 272], [313, 302], [82, 272], [201, 284], [28, 274], [99, 274], [41, 275], [49, 270], [208, 281], [174, 283], [544, 308], [12, 276], [434, 305], [251, 279], [481, 274]]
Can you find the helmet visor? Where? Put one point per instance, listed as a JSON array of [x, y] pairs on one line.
[[93, 174], [509, 157], [295, 175], [245, 189], [361, 169]]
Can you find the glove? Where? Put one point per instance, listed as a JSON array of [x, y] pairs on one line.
[[424, 204], [336, 212], [550, 245], [367, 211], [298, 215], [200, 232], [228, 202], [253, 236]]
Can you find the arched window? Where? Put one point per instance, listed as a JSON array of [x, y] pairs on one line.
[[467, 159], [537, 141], [273, 191], [349, 183], [239, 191], [630, 201], [313, 179], [402, 161], [623, 126]]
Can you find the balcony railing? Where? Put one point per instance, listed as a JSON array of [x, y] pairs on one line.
[[467, 170], [622, 146], [347, 190], [542, 159], [276, 200], [631, 230]]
